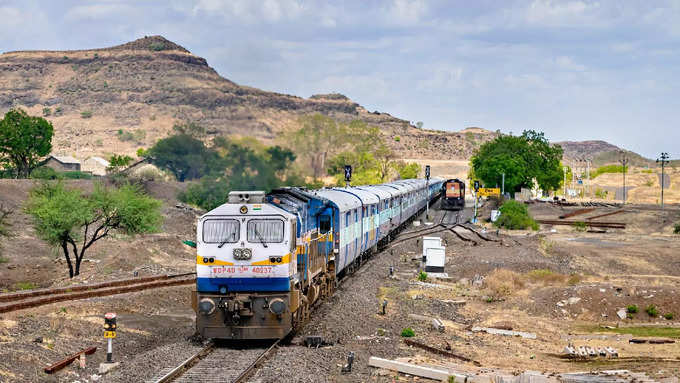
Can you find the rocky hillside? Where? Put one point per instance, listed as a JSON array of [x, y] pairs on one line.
[[600, 152], [118, 99]]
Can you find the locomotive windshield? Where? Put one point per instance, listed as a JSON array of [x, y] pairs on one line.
[[265, 231], [221, 231]]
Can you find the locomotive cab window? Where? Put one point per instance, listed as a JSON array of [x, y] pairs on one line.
[[324, 224], [265, 230], [221, 231]]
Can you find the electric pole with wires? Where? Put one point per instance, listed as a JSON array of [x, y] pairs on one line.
[[663, 160], [624, 162]]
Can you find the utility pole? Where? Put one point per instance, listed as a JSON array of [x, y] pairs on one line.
[[590, 187], [427, 187], [663, 160], [503, 185], [624, 162], [564, 169]]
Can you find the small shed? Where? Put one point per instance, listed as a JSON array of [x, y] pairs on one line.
[[96, 165], [62, 163]]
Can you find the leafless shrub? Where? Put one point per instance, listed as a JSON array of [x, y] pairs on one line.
[[502, 283]]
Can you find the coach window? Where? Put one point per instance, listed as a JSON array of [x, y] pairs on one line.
[[324, 224]]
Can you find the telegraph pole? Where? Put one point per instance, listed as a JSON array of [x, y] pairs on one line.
[[590, 187], [564, 170], [663, 160], [624, 162]]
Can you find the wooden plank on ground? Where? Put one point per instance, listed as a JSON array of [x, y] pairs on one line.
[[577, 212], [413, 369], [66, 361], [606, 214]]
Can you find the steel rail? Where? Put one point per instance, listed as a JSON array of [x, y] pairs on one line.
[[59, 296], [187, 364], [252, 366]]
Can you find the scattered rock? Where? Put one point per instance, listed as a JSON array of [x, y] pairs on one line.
[[621, 313], [106, 367], [573, 300]]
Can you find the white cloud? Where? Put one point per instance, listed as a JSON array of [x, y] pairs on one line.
[[567, 63], [406, 12], [441, 77], [102, 11], [248, 12], [561, 13]]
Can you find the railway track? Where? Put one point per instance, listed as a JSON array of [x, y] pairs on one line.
[[34, 298], [217, 364], [449, 221]]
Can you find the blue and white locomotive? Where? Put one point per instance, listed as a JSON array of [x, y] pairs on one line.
[[264, 260]]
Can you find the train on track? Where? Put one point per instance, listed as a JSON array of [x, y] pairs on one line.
[[453, 194], [263, 259]]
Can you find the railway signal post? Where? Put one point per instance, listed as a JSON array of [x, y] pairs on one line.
[[427, 187], [110, 328], [109, 334], [476, 188]]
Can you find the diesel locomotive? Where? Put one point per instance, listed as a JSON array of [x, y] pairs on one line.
[[453, 194], [263, 259]]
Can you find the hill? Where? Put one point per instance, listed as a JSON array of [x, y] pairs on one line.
[[117, 99], [601, 153]]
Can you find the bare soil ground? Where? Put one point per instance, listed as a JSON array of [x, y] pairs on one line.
[[562, 285]]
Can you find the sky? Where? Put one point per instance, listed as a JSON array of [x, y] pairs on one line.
[[576, 70]]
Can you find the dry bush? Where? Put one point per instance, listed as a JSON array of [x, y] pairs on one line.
[[503, 283], [546, 277]]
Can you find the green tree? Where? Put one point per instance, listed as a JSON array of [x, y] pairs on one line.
[[23, 140], [119, 161], [4, 223], [522, 159], [184, 156], [318, 138], [407, 170], [384, 157], [73, 221], [190, 129]]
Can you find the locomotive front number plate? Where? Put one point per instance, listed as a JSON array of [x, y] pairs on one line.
[[224, 271], [109, 334]]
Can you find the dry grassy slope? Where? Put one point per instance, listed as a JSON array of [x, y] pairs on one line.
[[147, 85]]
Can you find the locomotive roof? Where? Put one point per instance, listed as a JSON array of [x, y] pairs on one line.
[[366, 197]]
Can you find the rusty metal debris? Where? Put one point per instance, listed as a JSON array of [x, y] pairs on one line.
[[606, 214], [609, 225], [651, 341], [577, 212], [68, 360], [435, 350]]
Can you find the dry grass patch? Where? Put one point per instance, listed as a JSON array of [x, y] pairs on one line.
[[503, 283]]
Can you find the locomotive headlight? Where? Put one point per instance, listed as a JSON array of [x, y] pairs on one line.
[[242, 254], [277, 306], [206, 306]]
